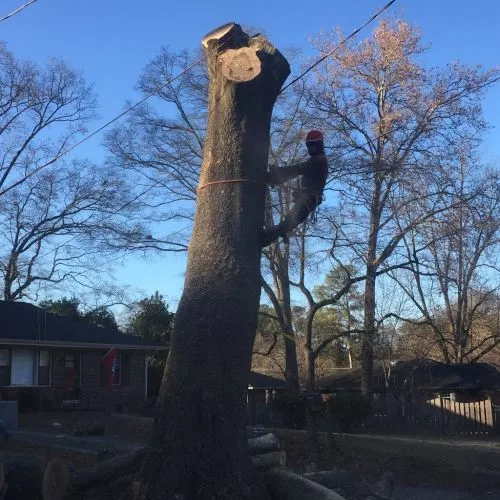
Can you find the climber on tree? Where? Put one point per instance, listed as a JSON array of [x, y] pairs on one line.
[[314, 173]]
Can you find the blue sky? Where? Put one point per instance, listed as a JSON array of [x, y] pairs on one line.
[[111, 41]]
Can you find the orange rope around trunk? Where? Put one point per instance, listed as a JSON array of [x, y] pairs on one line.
[[230, 181]]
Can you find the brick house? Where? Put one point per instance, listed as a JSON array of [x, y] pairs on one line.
[[56, 362]]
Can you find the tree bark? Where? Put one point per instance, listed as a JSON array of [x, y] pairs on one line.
[[370, 297], [107, 471], [55, 480], [263, 444], [269, 459], [284, 298], [368, 333], [199, 448], [291, 365]]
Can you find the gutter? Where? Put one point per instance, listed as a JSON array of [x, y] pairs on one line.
[[86, 345]]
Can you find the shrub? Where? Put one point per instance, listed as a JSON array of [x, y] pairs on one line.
[[348, 411], [292, 407], [28, 401]]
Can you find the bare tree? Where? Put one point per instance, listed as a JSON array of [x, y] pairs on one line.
[[287, 138], [50, 210], [453, 283], [394, 124], [55, 228], [42, 111], [162, 155], [61, 222]]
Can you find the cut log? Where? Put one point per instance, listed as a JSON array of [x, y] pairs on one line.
[[3, 486], [268, 460], [283, 483], [222, 34], [486, 472], [263, 444], [385, 486], [122, 489], [113, 469], [346, 481], [55, 480], [108, 471], [24, 478]]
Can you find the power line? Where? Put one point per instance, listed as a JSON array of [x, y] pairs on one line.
[[188, 68], [19, 9], [161, 87], [346, 39]]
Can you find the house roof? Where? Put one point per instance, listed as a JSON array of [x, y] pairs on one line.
[[261, 381], [27, 324], [418, 374], [466, 376]]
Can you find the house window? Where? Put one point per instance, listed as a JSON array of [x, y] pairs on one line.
[[24, 367], [4, 367], [43, 368]]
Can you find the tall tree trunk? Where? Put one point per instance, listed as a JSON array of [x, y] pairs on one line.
[[368, 333], [370, 298], [10, 276], [284, 298], [291, 364], [309, 361], [199, 448], [312, 443]]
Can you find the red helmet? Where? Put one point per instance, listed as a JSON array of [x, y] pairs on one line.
[[314, 135]]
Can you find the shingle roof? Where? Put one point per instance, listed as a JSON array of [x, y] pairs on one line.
[[21, 322], [261, 381], [421, 374]]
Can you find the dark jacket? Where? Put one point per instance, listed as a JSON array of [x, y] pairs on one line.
[[314, 172]]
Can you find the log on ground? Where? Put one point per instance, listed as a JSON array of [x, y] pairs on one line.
[[23, 478], [268, 460], [263, 444], [55, 480], [284, 484], [108, 471]]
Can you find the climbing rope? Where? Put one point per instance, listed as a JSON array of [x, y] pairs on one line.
[[230, 181], [250, 181]]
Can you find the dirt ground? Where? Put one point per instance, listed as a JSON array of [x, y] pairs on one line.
[[74, 460], [131, 428], [414, 479]]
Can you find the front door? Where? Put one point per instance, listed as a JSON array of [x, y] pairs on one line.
[[72, 376]]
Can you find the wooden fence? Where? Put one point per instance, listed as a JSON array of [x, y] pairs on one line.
[[438, 416], [263, 414]]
